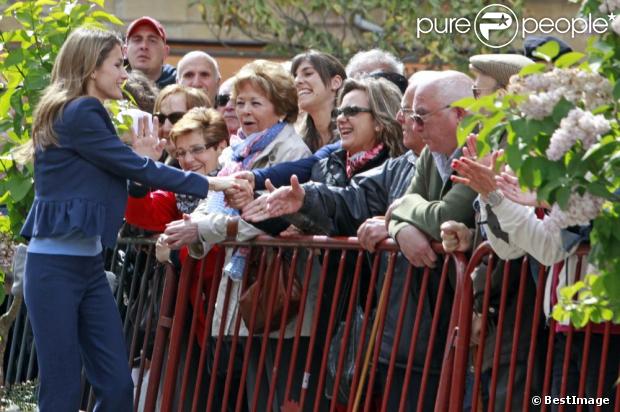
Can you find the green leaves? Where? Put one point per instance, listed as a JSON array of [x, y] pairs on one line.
[[343, 28], [29, 49], [547, 51]]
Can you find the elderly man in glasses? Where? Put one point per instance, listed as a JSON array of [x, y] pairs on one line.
[[431, 199]]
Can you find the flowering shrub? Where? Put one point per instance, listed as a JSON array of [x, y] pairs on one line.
[[561, 124]]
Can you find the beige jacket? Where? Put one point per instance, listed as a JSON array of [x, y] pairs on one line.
[[287, 146]]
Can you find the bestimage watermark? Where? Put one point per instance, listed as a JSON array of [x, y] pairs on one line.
[[497, 25]]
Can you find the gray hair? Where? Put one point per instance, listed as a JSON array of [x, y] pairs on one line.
[[377, 60], [194, 54]]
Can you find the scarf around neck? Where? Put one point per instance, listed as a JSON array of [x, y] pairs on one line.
[[358, 160]]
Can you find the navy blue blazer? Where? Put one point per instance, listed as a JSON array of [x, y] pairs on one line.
[[82, 183]]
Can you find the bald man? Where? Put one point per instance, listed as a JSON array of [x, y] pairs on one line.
[[198, 69], [432, 198]]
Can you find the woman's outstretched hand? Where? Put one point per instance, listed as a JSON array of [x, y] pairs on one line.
[[278, 202]]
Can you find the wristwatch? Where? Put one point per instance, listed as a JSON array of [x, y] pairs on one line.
[[494, 198]]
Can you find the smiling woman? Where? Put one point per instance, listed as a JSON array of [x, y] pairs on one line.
[[81, 169], [318, 78]]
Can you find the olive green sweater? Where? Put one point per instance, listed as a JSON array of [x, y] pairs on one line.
[[428, 202]]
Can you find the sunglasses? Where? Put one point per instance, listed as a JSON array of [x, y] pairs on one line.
[[420, 119], [397, 79], [194, 150], [222, 100], [350, 111], [172, 117]]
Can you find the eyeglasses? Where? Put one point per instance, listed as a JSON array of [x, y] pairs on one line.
[[406, 111], [194, 150], [477, 91], [172, 117], [420, 119], [222, 100], [350, 111]]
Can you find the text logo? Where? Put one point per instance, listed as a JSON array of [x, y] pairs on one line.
[[496, 26]]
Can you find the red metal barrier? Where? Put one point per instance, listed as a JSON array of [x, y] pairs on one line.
[[422, 319], [519, 377], [242, 368]]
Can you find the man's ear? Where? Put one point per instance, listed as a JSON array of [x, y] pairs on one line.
[[166, 51], [461, 113], [124, 50]]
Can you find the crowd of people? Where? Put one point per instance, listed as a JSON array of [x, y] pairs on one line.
[[309, 146]]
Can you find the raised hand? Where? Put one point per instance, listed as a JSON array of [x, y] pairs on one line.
[[471, 150], [475, 174], [146, 142], [508, 183]]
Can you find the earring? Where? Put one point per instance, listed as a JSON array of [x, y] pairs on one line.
[[377, 129]]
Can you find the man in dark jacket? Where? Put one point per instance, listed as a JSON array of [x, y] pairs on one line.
[[146, 50], [352, 210]]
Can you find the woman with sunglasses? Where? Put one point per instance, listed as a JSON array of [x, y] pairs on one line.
[[226, 107], [81, 171], [199, 139], [172, 103], [370, 135]]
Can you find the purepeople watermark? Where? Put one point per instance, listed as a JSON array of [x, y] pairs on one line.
[[497, 25]]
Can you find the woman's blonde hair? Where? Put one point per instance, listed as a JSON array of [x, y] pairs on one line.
[[207, 121], [193, 97], [274, 82], [384, 101], [81, 54]]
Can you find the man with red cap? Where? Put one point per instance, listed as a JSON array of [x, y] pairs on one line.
[[146, 50]]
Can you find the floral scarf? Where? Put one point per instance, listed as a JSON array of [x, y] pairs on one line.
[[358, 160], [242, 158]]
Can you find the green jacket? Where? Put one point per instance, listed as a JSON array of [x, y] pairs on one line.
[[429, 202]]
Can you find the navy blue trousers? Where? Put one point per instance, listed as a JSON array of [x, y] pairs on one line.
[[74, 319]]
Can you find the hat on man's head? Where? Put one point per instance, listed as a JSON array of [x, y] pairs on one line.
[[149, 21], [499, 66], [531, 43]]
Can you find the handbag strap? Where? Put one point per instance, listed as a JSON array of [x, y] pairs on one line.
[[232, 227]]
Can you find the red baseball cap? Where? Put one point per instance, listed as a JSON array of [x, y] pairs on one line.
[[146, 20]]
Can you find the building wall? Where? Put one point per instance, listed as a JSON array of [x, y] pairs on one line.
[[187, 31]]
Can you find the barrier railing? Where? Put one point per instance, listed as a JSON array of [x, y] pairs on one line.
[[407, 330], [137, 284], [513, 350], [302, 364]]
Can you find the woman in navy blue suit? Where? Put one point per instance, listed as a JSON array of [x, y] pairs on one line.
[[81, 170]]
